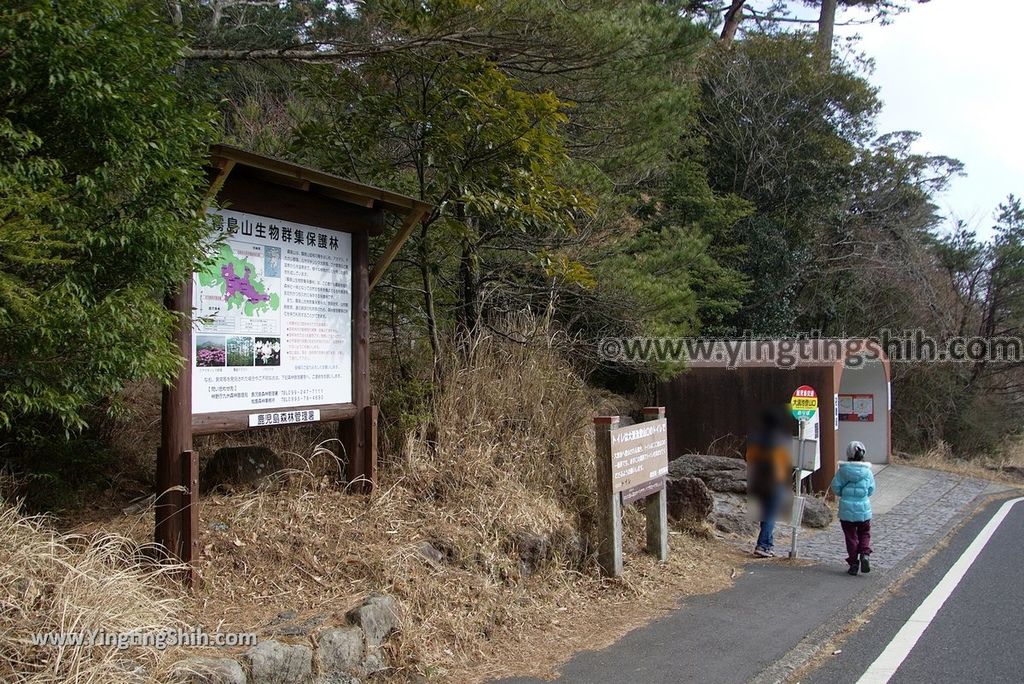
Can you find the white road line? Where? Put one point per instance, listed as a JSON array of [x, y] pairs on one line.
[[899, 648]]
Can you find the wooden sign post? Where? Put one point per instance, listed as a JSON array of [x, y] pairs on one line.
[[274, 325], [632, 463]]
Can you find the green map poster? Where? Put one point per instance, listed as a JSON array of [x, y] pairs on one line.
[[272, 318]]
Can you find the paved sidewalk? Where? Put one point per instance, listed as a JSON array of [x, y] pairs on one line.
[[910, 505], [777, 613]]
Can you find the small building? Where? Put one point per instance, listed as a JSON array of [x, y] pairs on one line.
[[714, 403]]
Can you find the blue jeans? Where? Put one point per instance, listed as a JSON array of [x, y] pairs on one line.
[[769, 509]]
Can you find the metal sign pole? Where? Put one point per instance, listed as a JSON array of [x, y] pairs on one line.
[[797, 498]]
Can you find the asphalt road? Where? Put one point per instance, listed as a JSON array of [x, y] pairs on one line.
[[728, 637], [976, 635], [777, 615]]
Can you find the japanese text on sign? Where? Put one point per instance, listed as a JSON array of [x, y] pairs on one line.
[[639, 454], [283, 417], [804, 402], [273, 319]]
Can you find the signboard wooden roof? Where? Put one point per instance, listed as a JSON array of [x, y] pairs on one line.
[[226, 160], [283, 307]]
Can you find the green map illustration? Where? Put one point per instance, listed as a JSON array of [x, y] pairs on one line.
[[238, 283]]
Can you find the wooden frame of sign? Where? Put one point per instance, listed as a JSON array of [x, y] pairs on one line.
[[632, 463], [298, 313]]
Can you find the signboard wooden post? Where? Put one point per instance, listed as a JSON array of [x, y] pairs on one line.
[[803, 405], [657, 502], [632, 463], [274, 325], [609, 501]]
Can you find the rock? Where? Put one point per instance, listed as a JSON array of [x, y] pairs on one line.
[[378, 616], [374, 662], [239, 468], [689, 501], [719, 473], [732, 517], [303, 628], [428, 551], [816, 512], [209, 671], [341, 652], [274, 662], [338, 679], [533, 550]]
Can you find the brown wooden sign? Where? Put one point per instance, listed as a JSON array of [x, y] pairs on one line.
[[639, 456], [642, 491], [274, 325], [632, 463]]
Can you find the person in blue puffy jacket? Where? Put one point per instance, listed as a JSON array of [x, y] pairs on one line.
[[854, 484]]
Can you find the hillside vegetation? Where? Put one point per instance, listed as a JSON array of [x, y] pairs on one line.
[[596, 169]]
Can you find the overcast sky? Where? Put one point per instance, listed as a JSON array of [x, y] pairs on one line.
[[952, 70]]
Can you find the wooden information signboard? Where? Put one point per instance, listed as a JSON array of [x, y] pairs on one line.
[[632, 463], [639, 459], [274, 325]]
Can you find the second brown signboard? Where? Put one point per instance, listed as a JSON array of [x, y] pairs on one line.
[[639, 458]]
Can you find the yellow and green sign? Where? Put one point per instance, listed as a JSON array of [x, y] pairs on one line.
[[804, 403]]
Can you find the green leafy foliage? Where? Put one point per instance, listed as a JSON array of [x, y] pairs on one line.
[[783, 135], [100, 171]]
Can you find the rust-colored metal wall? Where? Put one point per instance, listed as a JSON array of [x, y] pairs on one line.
[[705, 406]]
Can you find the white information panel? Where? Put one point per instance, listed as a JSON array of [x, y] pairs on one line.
[[812, 447], [272, 312]]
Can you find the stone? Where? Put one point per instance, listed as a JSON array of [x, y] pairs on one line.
[[274, 662], [533, 550], [816, 513], [378, 616], [374, 662], [302, 628], [209, 671], [689, 500], [732, 517], [240, 469], [428, 551], [338, 679], [719, 473], [341, 651]]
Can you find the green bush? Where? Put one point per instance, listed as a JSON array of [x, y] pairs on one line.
[[100, 181]]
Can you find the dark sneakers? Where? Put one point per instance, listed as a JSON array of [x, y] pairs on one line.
[[853, 569], [865, 565]]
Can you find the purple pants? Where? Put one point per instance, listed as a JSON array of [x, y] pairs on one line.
[[858, 539]]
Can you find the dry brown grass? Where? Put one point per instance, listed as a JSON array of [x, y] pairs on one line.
[[61, 583], [500, 481], [1006, 465]]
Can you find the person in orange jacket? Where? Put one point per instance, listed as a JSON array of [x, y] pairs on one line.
[[769, 469]]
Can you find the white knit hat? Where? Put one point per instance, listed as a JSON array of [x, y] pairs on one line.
[[856, 451]]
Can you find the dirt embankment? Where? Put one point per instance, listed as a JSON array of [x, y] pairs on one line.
[[482, 528]]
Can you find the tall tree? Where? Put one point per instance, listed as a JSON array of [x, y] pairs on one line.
[[783, 136], [100, 175], [732, 19], [881, 10], [826, 31]]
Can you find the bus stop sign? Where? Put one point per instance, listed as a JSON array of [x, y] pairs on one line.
[[804, 403]]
